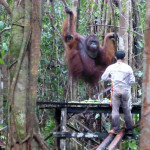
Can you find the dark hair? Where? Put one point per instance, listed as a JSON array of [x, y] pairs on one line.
[[120, 54]]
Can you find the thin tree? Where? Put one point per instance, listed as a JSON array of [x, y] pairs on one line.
[[145, 119]]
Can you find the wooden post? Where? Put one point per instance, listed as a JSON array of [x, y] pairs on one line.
[[57, 120], [63, 120], [106, 142], [116, 140]]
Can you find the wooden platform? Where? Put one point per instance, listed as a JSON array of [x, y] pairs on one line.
[[63, 109], [82, 107]]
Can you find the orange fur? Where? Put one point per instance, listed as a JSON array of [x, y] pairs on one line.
[[80, 64]]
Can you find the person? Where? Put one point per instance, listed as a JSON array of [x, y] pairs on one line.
[[122, 77]]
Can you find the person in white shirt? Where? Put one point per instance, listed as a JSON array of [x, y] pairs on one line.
[[122, 77]]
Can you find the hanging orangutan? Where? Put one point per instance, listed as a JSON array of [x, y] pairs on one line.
[[86, 59]]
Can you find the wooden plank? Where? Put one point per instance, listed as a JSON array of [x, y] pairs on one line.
[[116, 140], [80, 135], [106, 142], [63, 122], [79, 107], [64, 104], [54, 103], [76, 110]]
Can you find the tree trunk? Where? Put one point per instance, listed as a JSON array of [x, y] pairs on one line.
[[24, 59], [130, 33], [17, 90], [72, 90], [145, 119], [124, 22], [1, 100]]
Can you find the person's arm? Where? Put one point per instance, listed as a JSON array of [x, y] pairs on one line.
[[106, 76], [131, 78]]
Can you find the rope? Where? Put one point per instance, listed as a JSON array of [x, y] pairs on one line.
[[111, 94]]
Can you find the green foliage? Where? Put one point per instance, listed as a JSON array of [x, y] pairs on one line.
[[93, 4], [142, 7], [140, 92], [117, 11], [2, 137], [124, 5], [50, 125], [1, 25], [137, 117], [132, 144], [4, 47], [97, 116], [53, 70], [139, 73], [4, 37], [1, 61]]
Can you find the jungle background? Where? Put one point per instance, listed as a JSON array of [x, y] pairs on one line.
[[33, 66]]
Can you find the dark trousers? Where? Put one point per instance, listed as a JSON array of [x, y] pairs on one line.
[[121, 98]]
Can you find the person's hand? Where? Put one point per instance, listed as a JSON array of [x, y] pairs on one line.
[[109, 79]]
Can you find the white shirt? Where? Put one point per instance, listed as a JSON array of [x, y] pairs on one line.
[[121, 75]]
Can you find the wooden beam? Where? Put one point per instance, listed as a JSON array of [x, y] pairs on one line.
[[80, 135], [71, 127], [81, 107], [63, 120], [106, 142], [116, 140]]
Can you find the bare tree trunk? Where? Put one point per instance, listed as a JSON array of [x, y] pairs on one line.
[[24, 58], [130, 39], [145, 119], [124, 22], [34, 56], [17, 90]]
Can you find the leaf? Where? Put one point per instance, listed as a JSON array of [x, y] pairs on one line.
[[4, 47], [96, 14], [1, 61], [140, 44], [140, 92], [2, 17], [139, 73], [133, 145], [92, 4], [97, 115]]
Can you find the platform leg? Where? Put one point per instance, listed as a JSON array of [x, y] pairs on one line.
[[57, 120], [63, 127]]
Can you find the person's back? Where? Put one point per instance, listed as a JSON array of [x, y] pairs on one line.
[[122, 77]]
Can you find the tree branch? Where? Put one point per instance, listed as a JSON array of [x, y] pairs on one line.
[[115, 26], [6, 5], [41, 143], [3, 128], [4, 30]]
